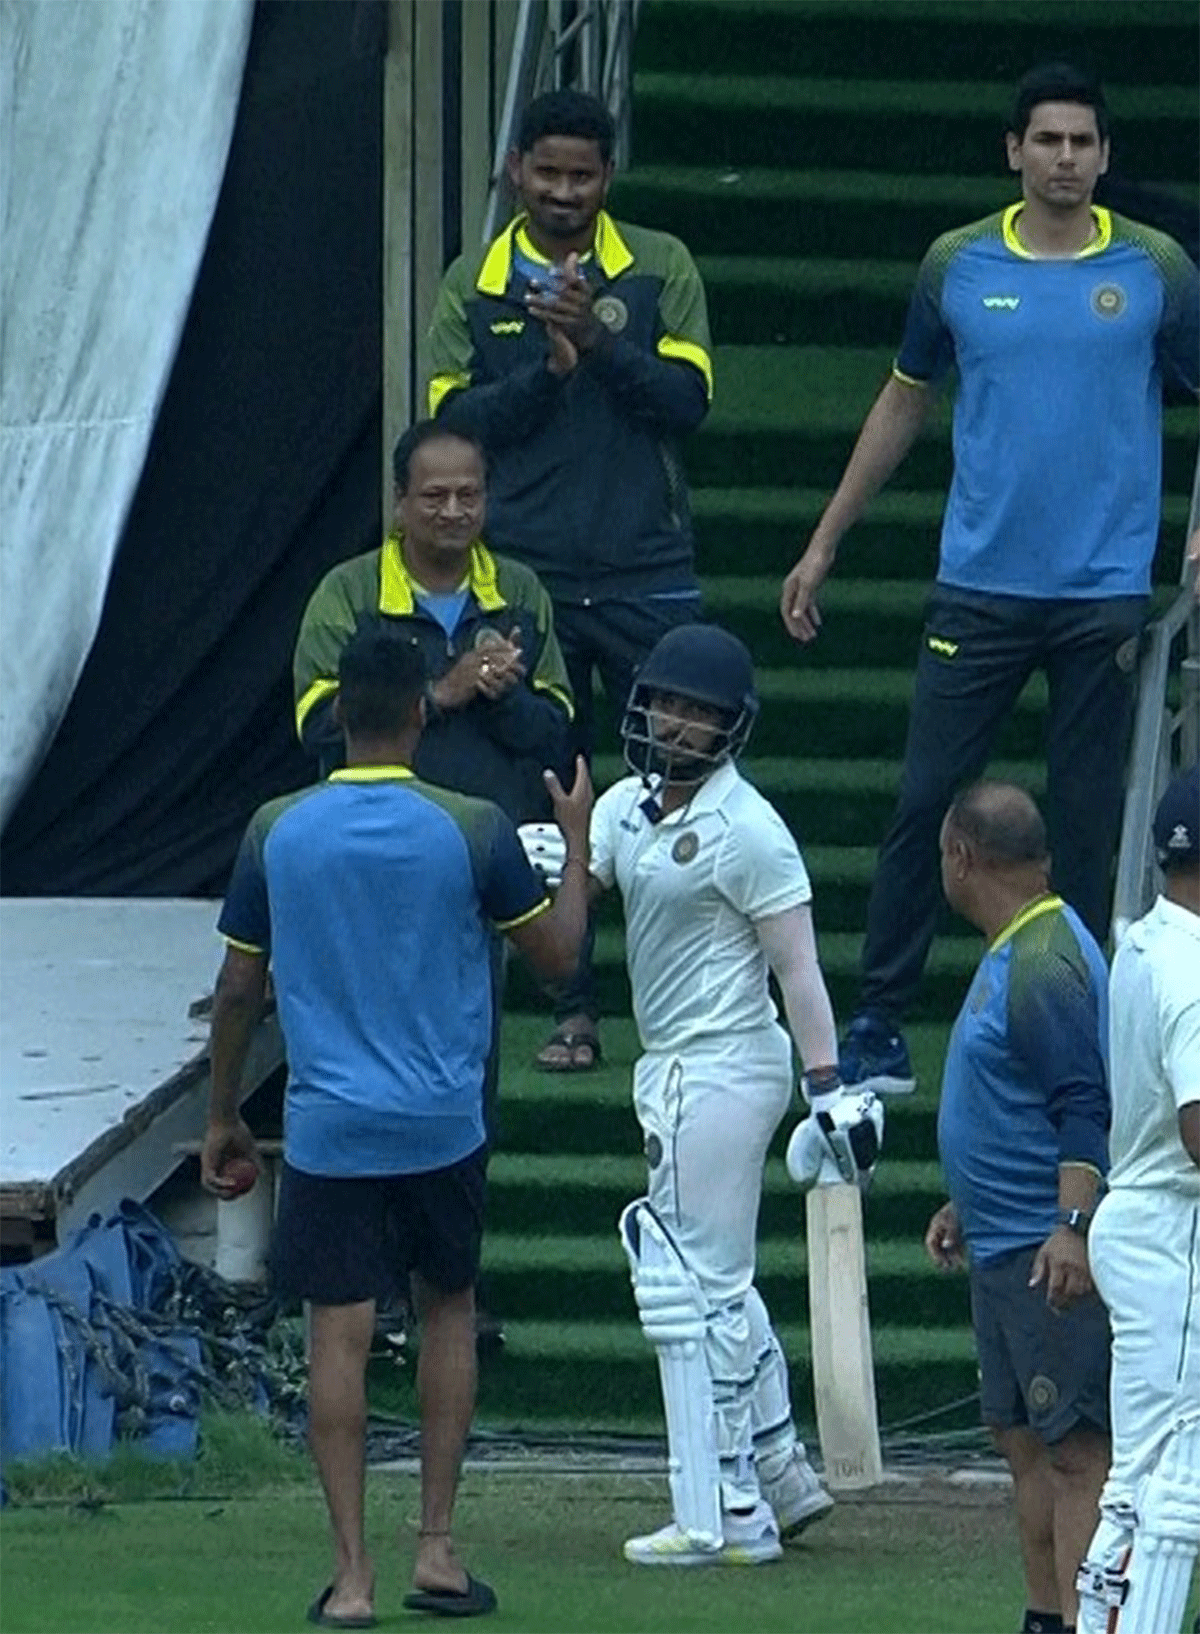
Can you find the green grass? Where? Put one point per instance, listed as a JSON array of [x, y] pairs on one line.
[[550, 1543], [926, 1557], [237, 1453]]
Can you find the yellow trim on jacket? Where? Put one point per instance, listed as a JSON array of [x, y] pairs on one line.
[[396, 583], [612, 254]]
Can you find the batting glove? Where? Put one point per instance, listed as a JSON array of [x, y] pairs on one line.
[[546, 847], [840, 1141]]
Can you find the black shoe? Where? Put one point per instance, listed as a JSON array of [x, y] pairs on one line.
[[873, 1055]]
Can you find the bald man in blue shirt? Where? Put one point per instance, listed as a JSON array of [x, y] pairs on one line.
[[1023, 1137]]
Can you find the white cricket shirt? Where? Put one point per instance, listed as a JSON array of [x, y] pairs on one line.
[[693, 884], [1154, 1009]]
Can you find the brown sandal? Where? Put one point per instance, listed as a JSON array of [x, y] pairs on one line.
[[563, 1050]]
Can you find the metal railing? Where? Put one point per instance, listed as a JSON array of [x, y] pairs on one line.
[[587, 44], [1163, 738]]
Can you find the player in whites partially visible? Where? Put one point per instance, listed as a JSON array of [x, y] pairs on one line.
[[716, 897], [1144, 1248]]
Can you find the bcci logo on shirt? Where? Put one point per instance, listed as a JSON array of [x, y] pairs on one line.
[[685, 848], [1108, 300], [612, 313]]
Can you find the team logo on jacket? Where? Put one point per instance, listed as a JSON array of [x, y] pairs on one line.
[[685, 848], [1108, 300], [612, 313], [508, 326], [1043, 1393]]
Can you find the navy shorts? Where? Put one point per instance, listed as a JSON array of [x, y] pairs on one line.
[[339, 1241], [1037, 1367]]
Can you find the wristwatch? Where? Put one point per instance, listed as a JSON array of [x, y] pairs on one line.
[[1075, 1219]]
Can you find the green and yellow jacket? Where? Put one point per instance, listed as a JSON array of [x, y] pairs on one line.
[[496, 749], [585, 482]]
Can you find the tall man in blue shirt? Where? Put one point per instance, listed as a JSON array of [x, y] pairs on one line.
[[374, 896], [1022, 1132], [1062, 320]]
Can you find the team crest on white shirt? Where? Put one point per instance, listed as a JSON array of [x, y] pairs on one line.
[[685, 848]]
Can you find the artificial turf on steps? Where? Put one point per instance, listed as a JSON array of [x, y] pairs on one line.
[[807, 152]]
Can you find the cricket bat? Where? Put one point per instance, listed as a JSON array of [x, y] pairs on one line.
[[843, 1367]]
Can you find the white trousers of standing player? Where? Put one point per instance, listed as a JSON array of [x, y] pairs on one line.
[[708, 1114], [1144, 1251]]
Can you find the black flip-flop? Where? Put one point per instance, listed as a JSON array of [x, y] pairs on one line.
[[476, 1600], [317, 1614], [564, 1038]]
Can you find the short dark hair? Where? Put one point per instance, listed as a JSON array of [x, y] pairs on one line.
[[1001, 822], [426, 431], [380, 677], [1057, 82], [567, 113]]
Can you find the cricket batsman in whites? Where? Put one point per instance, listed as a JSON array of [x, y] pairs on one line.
[[1144, 1249], [716, 897]]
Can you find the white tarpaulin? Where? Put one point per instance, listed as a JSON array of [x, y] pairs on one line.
[[116, 122]]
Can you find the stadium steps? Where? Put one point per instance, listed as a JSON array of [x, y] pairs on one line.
[[892, 552], [807, 152]]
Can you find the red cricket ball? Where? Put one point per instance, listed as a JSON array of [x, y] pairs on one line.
[[239, 1173]]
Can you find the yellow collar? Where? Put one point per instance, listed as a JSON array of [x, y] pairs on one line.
[[612, 253], [1025, 916], [1100, 240], [530, 250], [370, 774], [397, 586]]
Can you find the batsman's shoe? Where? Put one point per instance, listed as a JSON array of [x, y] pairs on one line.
[[669, 1546], [873, 1055], [798, 1499], [749, 1540]]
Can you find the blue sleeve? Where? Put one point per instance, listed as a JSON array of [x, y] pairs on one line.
[[510, 888], [1054, 1026], [927, 349], [246, 914]]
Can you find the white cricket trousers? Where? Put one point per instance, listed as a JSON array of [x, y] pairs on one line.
[[1144, 1249], [708, 1114]]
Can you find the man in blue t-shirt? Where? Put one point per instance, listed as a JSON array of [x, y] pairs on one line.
[[1062, 322], [374, 896], [1023, 1136]]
